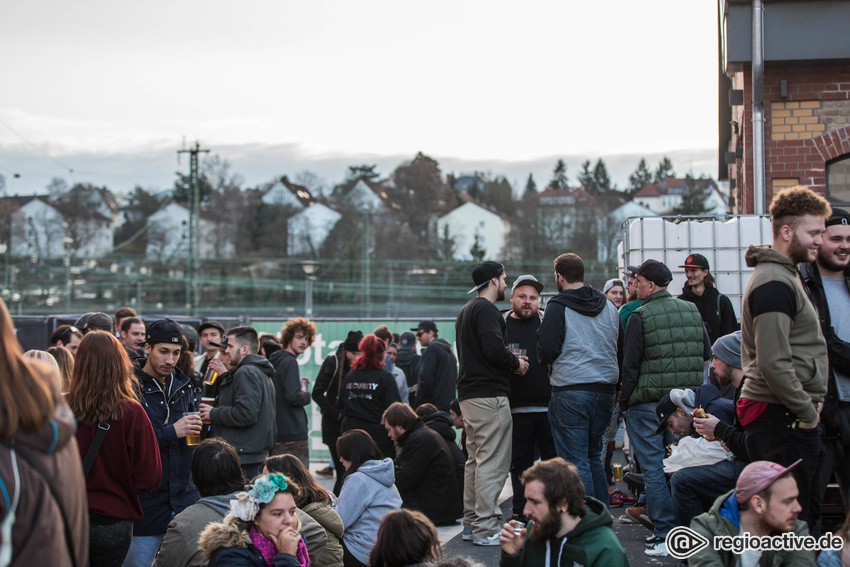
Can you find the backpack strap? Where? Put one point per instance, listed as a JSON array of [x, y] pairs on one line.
[[91, 454]]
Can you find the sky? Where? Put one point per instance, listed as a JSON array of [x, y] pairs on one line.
[[111, 90]]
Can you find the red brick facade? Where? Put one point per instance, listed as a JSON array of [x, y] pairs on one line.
[[803, 130]]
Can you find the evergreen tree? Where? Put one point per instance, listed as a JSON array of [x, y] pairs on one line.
[[530, 187], [499, 194], [586, 178], [693, 199], [358, 172], [639, 178], [559, 176], [477, 251], [474, 190], [601, 177], [664, 170], [446, 244]]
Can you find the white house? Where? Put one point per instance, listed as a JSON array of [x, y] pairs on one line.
[[168, 236], [666, 195], [288, 194], [470, 219], [308, 229], [37, 228]]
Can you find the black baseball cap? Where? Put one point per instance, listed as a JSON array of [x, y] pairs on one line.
[[222, 343], [211, 325], [164, 331], [839, 216], [426, 326], [484, 272], [654, 271], [100, 322], [696, 261], [406, 341], [664, 409]]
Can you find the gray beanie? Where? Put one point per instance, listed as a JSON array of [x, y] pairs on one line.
[[728, 349]]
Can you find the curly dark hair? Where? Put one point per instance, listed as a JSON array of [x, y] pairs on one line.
[[297, 325], [790, 205]]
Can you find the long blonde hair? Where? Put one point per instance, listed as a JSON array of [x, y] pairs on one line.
[[26, 390], [103, 380]]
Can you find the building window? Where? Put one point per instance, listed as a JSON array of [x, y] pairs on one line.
[[838, 181]]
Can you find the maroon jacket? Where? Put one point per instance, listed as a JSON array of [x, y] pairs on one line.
[[127, 463]]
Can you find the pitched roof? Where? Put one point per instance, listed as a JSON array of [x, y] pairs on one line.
[[301, 193], [570, 196], [673, 186]]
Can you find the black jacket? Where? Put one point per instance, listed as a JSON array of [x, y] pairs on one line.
[[409, 361], [326, 394], [165, 405], [486, 363], [364, 397], [441, 422], [838, 350], [715, 309], [437, 375], [244, 412], [733, 433], [532, 389], [425, 475], [290, 416]]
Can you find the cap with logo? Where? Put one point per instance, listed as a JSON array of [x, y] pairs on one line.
[[223, 343], [696, 261], [839, 216], [164, 331], [426, 326], [757, 476], [664, 409], [484, 272], [527, 279], [407, 341], [654, 271]]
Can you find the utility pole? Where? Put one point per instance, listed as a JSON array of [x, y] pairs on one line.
[[192, 291]]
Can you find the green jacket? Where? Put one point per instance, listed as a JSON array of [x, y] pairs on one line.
[[723, 520], [591, 543], [325, 516], [673, 347], [783, 352], [627, 309]]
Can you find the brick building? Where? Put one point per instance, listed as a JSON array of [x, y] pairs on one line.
[[806, 99]]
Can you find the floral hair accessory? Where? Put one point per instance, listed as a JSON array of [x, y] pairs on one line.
[[247, 504]]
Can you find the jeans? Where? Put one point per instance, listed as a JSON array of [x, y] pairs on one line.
[[648, 446], [579, 420], [532, 437], [143, 551], [694, 489], [770, 437]]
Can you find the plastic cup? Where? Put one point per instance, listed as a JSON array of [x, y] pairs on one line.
[[192, 438]]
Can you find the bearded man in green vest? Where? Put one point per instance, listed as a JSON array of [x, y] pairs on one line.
[[666, 347]]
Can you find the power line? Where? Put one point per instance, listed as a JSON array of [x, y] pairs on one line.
[[37, 149]]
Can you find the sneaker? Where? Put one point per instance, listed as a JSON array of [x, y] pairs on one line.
[[653, 540], [620, 495], [625, 519], [641, 516], [614, 502], [657, 550], [326, 472], [467, 533], [492, 540]]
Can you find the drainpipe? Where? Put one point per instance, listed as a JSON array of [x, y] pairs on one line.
[[758, 108]]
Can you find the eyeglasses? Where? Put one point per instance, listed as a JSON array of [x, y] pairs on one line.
[[418, 333]]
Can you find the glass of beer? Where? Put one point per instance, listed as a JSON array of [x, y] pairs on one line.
[[192, 438], [209, 402]]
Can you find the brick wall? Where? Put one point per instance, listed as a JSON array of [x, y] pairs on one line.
[[803, 130]]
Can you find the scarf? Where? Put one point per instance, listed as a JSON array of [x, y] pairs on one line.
[[268, 551]]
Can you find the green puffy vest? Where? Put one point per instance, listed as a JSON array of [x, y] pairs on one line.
[[672, 347]]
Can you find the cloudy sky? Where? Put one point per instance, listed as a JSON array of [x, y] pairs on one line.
[[112, 89]]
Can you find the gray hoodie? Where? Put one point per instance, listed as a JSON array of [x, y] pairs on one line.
[[366, 496]]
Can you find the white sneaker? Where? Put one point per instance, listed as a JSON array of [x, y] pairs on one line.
[[492, 540], [467, 533], [657, 550]]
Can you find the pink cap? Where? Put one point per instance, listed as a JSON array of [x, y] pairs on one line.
[[757, 476]]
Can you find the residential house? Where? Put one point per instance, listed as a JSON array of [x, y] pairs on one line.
[[168, 236], [473, 219], [665, 196], [610, 229]]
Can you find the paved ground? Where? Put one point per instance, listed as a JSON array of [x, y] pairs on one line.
[[631, 536]]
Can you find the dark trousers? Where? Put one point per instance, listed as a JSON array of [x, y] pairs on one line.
[[694, 489], [532, 437], [109, 542], [836, 445], [771, 437], [348, 560]]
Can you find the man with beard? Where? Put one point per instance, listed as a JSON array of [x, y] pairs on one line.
[[714, 307], [210, 333], [565, 529], [530, 394], [580, 339], [166, 394], [827, 280], [763, 504], [244, 414], [783, 353], [483, 385], [632, 301], [291, 393]]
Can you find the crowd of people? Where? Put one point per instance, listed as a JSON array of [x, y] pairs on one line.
[[120, 447]]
